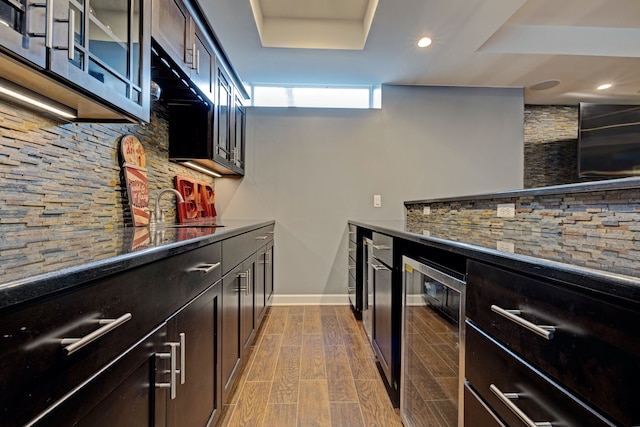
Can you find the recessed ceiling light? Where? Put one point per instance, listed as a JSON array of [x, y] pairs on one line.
[[605, 86], [424, 42]]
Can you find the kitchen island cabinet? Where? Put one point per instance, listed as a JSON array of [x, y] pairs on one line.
[[143, 344], [553, 340]]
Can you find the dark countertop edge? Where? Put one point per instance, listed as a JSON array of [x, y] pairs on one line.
[[20, 291], [620, 286], [581, 187]]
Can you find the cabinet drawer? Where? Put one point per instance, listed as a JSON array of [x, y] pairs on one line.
[[264, 235], [383, 248], [476, 412], [236, 249], [492, 371], [39, 367], [594, 350]]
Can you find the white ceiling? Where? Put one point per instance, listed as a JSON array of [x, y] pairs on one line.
[[498, 43]]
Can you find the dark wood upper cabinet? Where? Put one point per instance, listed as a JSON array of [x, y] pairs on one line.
[[92, 57], [171, 28], [24, 31], [202, 86]]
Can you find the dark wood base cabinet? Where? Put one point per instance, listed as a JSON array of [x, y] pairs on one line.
[[170, 378], [158, 345]]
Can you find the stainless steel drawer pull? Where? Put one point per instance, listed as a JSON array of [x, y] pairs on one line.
[[545, 331], [352, 232], [261, 238], [379, 267], [352, 249], [271, 232], [506, 399], [382, 247], [206, 268], [352, 267], [74, 344]]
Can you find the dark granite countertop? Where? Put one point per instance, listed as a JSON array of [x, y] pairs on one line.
[[35, 263], [603, 265], [580, 187]]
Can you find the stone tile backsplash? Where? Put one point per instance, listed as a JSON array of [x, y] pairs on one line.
[[607, 213], [61, 176]]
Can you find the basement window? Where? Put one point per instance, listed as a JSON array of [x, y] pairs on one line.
[[363, 97]]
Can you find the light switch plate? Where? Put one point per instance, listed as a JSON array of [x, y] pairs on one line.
[[377, 201]]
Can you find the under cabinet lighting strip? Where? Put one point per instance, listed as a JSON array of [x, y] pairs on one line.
[[18, 93], [201, 169]]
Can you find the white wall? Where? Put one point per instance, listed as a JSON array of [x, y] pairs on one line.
[[313, 169]]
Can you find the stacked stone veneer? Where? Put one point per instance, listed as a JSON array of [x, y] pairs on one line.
[[610, 214], [550, 145], [61, 176]]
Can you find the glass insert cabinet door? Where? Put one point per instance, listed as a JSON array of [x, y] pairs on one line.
[[22, 29], [98, 45]]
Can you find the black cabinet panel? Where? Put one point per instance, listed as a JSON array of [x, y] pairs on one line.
[[197, 399], [232, 284]]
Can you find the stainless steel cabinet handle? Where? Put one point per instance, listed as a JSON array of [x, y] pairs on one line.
[[248, 281], [352, 232], [172, 355], [241, 276], [71, 52], [381, 247], [206, 268], [351, 267], [379, 267], [197, 61], [183, 354], [271, 232], [350, 288], [352, 249], [48, 34], [74, 344], [545, 331], [261, 238], [506, 399]]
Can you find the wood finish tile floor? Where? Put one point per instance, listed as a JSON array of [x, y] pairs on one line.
[[310, 366]]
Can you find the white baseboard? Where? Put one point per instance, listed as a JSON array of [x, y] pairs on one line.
[[333, 299]]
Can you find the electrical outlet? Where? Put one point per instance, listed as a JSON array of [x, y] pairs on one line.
[[505, 246], [507, 210], [426, 210], [377, 201], [426, 233]]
